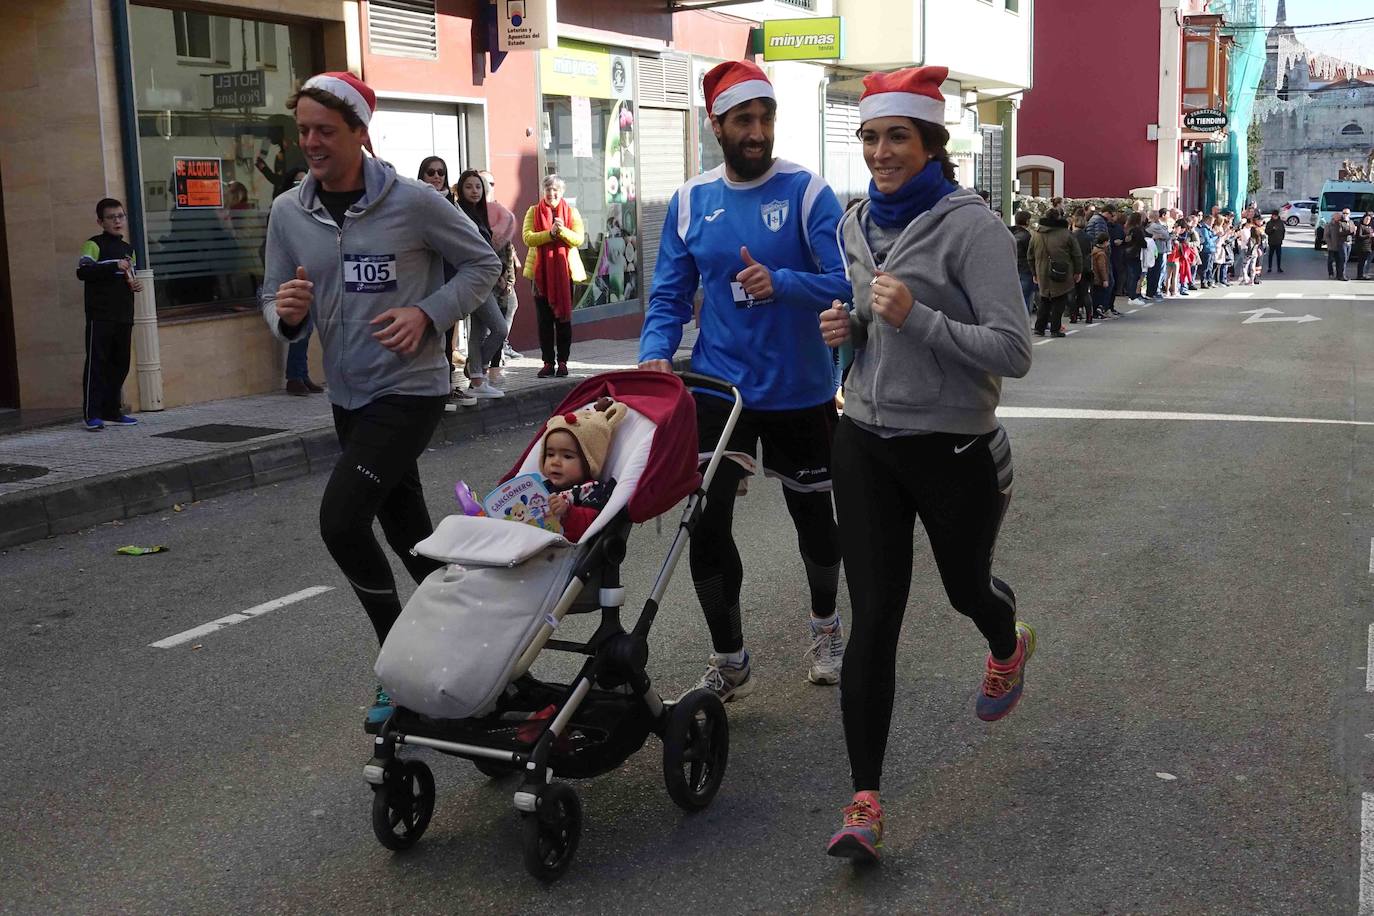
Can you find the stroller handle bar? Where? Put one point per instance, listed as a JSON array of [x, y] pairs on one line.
[[720, 386]]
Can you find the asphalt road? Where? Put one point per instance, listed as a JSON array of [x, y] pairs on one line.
[[1194, 736]]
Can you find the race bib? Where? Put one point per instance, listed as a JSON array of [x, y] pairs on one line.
[[370, 273], [743, 300]]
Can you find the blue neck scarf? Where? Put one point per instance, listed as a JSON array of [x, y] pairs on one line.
[[921, 192]]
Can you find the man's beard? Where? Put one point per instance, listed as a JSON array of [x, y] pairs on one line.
[[747, 169]]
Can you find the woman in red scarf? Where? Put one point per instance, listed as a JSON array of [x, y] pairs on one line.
[[554, 232]]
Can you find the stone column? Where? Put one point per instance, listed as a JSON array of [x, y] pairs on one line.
[[147, 352]]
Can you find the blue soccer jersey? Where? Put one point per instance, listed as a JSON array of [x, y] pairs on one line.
[[771, 349]]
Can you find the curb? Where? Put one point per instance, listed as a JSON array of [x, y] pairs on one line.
[[91, 501]]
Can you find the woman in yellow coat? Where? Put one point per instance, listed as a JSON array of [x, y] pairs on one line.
[[554, 232]]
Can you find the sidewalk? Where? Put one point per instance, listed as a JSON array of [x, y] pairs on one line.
[[58, 479]]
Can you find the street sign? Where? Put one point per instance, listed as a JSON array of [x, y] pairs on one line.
[[803, 39], [198, 183], [239, 89], [1206, 120]]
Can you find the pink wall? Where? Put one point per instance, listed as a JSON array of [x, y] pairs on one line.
[[1097, 129]]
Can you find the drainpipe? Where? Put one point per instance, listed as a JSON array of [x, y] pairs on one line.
[[147, 351]]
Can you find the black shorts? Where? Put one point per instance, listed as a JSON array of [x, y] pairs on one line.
[[796, 443]]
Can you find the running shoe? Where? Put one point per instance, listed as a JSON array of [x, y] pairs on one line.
[[827, 652], [510, 352], [546, 372], [728, 681], [380, 710], [562, 370], [1004, 681], [122, 420], [95, 424], [862, 834]]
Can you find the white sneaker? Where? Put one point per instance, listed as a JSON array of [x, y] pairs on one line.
[[496, 378], [826, 652], [511, 353], [486, 391], [726, 681]]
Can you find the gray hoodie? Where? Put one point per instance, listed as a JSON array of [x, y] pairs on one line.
[[389, 253], [942, 370]]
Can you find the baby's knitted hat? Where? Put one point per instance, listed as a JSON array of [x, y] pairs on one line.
[[592, 428]]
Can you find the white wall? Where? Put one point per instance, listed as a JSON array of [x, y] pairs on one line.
[[881, 34], [982, 43], [797, 135]]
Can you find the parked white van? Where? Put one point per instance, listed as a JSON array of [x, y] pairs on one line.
[[1357, 196]]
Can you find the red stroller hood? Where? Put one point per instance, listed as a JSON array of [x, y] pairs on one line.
[[670, 475]]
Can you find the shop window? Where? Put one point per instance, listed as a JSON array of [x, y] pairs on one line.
[[1280, 179], [201, 37], [265, 36], [236, 141], [1036, 182], [1352, 130], [588, 137]]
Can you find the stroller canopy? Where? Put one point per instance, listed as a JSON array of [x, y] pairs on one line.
[[669, 472]]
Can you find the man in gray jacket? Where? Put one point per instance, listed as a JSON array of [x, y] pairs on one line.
[[358, 253]]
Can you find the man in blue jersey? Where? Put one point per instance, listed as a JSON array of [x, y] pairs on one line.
[[759, 236]]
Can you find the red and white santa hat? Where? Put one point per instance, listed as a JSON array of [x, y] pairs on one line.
[[350, 90], [910, 93], [734, 83]]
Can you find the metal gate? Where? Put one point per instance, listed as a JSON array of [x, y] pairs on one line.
[[844, 167], [662, 170]]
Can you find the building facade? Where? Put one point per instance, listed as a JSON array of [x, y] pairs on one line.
[[1314, 112]]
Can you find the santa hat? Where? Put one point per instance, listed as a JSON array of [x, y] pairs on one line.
[[734, 83], [592, 428], [348, 89], [911, 93]]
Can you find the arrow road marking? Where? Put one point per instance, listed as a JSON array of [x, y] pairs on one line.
[[1257, 316]]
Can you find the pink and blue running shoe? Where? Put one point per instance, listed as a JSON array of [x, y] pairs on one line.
[[1004, 681], [862, 834]]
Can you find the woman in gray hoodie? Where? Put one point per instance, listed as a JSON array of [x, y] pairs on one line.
[[938, 320]]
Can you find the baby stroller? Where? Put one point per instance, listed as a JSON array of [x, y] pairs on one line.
[[457, 661]]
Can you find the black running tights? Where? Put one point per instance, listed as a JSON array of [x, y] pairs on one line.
[[377, 477], [959, 486], [714, 558]]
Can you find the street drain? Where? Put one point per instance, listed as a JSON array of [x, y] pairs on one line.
[[13, 473], [219, 432]]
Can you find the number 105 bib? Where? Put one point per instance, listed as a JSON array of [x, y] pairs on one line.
[[370, 273]]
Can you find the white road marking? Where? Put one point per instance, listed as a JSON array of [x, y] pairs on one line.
[[1267, 315], [1039, 343], [1146, 305], [1369, 663], [1367, 854], [1289, 296], [1072, 331], [1070, 413], [1238, 295], [1371, 556], [231, 619], [1131, 311]]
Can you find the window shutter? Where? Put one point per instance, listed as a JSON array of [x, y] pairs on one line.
[[665, 81], [403, 28]]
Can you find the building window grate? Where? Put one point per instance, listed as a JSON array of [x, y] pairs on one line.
[[403, 28]]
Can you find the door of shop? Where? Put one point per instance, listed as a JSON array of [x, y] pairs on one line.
[[663, 168], [404, 133]]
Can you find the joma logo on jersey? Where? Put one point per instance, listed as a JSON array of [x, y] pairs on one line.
[[775, 214]]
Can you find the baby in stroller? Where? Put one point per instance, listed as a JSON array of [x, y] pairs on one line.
[[458, 660], [574, 452]]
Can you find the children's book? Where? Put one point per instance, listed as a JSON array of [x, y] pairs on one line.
[[523, 499]]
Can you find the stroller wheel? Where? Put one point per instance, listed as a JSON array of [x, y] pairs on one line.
[[551, 832], [403, 804], [696, 747]]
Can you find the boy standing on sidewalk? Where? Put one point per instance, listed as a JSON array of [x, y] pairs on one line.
[[107, 267]]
